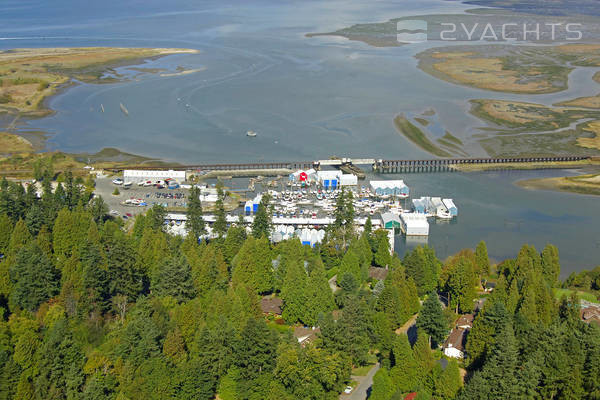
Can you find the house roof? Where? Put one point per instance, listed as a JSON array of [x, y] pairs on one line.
[[305, 335], [465, 321], [411, 396], [378, 273], [456, 339], [271, 305]]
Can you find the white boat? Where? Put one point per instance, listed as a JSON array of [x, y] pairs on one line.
[[251, 133], [124, 109], [443, 214]]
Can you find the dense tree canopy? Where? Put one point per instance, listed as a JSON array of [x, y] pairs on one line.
[[93, 307]]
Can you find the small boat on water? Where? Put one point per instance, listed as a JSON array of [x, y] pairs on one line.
[[251, 133], [443, 214], [102, 107], [125, 111]]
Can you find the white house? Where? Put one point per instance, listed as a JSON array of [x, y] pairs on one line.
[[454, 346]]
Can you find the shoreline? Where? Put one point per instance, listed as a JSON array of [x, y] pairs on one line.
[[524, 166], [55, 70], [581, 184]]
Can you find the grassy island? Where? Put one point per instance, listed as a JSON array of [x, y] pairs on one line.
[[28, 76]]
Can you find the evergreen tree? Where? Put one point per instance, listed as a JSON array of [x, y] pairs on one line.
[[482, 336], [449, 382], [236, 237], [382, 256], [423, 267], [351, 264], [550, 264], [500, 371], [195, 382], [294, 293], [460, 282], [34, 219], [34, 278], [481, 258], [252, 266], [256, 349], [98, 209], [216, 347], [431, 319], [591, 373], [6, 228], [95, 276], [173, 278], [405, 370], [195, 223], [211, 271], [262, 219], [320, 298], [59, 363], [220, 224], [423, 357], [155, 217], [354, 330], [124, 277]]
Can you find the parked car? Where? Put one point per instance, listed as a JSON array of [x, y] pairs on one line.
[[348, 389], [117, 181]]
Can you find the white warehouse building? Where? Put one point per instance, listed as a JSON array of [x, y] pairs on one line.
[[139, 175], [414, 224], [348, 180]]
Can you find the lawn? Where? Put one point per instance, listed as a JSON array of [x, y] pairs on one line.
[[364, 370], [559, 293]]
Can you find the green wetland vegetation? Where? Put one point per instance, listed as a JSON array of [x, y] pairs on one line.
[[95, 307]]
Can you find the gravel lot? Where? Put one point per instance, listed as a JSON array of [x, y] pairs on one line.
[[105, 188]]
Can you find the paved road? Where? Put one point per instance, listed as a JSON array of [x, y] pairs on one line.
[[363, 389]]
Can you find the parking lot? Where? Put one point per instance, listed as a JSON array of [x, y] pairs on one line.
[[172, 198]]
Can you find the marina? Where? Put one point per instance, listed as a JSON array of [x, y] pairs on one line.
[[306, 204]]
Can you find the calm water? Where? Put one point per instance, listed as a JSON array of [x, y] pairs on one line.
[[308, 98]]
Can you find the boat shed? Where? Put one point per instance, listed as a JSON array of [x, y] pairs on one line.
[[299, 176], [329, 179], [452, 209], [414, 224], [435, 205], [390, 188], [138, 175], [420, 205], [391, 221], [348, 180], [256, 202]]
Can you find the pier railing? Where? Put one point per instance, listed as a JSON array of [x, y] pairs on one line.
[[378, 165]]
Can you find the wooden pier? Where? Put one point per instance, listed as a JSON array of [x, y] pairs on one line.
[[445, 164], [378, 165]]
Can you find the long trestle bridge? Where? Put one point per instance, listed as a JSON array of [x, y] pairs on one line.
[[378, 165]]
